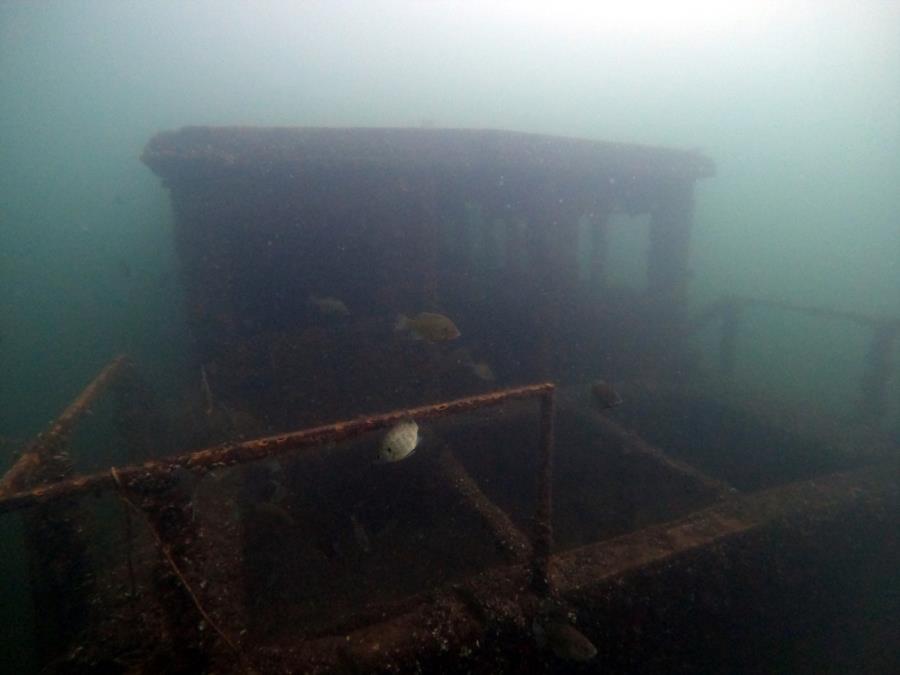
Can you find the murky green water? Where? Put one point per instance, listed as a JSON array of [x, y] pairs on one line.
[[797, 104]]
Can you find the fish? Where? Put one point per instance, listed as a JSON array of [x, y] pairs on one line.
[[428, 326], [564, 640], [604, 395], [482, 370], [399, 442], [329, 306]]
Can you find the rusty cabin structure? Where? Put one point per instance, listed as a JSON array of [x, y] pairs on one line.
[[504, 232], [691, 530]]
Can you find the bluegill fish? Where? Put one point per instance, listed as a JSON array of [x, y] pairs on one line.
[[428, 326], [483, 371], [399, 442]]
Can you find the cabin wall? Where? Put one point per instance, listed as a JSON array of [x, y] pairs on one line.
[[496, 252]]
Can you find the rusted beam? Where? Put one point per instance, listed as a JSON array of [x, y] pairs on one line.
[[513, 542], [867, 487], [630, 442], [230, 454], [22, 474]]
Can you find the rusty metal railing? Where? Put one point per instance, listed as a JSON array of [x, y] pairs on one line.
[[878, 368], [53, 543], [148, 488], [230, 454]]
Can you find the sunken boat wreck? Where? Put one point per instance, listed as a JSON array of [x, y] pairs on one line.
[[696, 527]]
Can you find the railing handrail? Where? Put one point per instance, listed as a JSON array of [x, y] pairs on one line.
[[732, 300], [230, 454]]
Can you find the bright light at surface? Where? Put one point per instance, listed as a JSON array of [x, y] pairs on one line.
[[672, 18]]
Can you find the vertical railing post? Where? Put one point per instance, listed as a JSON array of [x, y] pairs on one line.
[[543, 518], [62, 581]]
